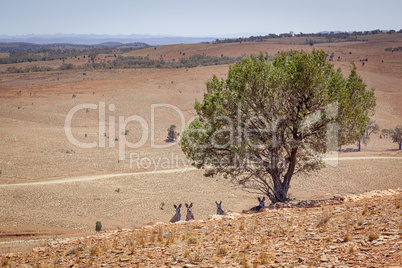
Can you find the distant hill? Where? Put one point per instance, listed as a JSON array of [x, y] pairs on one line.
[[152, 40], [19, 46], [91, 39]]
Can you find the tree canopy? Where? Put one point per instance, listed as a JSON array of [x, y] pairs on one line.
[[172, 134], [269, 120], [397, 136]]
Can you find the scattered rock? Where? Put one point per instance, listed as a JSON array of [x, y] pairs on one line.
[[286, 235]]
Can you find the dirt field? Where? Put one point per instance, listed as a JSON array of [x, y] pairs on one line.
[[34, 145]]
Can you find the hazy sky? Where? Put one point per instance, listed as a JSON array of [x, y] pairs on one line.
[[196, 17]]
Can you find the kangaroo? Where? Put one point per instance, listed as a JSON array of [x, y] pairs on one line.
[[190, 215], [176, 216], [260, 206], [257, 208], [219, 210]]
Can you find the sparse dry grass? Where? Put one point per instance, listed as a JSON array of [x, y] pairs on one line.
[[94, 251], [195, 257], [195, 242], [222, 250], [193, 239], [372, 236], [33, 139]]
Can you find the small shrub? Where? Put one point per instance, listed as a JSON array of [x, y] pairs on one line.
[[152, 239], [124, 258], [71, 251], [1, 171], [195, 257], [169, 241], [186, 254], [243, 262], [5, 262], [248, 247], [172, 134], [132, 250], [398, 203], [373, 236], [161, 239], [222, 250], [141, 242], [94, 251], [98, 226], [264, 258], [347, 237], [192, 239], [117, 190], [162, 205], [74, 96], [351, 249]]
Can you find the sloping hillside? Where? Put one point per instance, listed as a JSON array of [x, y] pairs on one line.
[[360, 231]]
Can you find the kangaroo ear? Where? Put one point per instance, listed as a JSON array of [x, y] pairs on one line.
[[186, 205], [191, 205], [259, 200], [263, 199], [175, 206], [220, 203], [180, 206], [216, 203]]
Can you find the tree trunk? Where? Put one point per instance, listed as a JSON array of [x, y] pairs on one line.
[[281, 193], [359, 146], [400, 145]]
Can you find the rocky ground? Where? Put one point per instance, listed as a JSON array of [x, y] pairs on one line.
[[353, 231], [34, 148]]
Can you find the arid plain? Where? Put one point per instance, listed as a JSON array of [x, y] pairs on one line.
[[82, 186]]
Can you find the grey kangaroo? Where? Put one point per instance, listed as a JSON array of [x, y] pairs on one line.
[[176, 216], [256, 208], [219, 210], [260, 206], [190, 215]]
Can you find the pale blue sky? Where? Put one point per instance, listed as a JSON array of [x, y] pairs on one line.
[[196, 18]]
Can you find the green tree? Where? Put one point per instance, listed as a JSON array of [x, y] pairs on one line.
[[98, 226], [354, 114], [386, 133], [66, 66], [270, 120], [172, 134], [93, 55], [397, 136], [371, 128]]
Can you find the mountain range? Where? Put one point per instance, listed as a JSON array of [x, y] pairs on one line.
[[91, 39]]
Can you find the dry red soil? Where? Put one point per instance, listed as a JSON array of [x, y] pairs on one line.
[[362, 231], [34, 146]]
